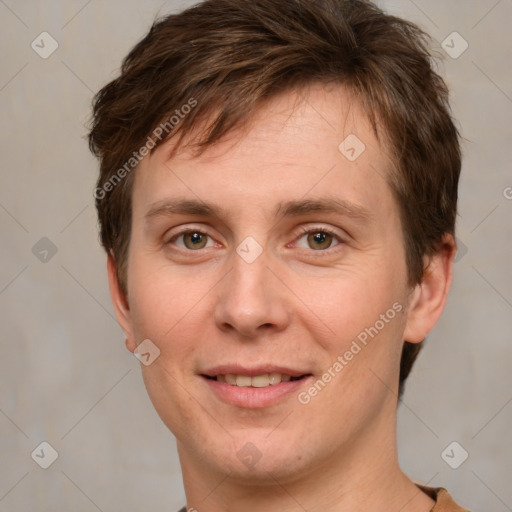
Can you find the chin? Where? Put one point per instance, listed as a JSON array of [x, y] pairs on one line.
[[283, 468], [257, 458]]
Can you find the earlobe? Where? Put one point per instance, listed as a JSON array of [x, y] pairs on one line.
[[429, 296], [120, 304]]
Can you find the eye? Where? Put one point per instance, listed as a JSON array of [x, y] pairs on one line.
[[317, 239], [191, 240]]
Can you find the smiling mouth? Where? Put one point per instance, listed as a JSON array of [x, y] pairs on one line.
[[256, 381]]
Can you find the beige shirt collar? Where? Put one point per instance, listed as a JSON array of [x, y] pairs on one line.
[[444, 502]]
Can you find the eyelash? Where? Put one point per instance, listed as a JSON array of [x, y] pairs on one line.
[[302, 232]]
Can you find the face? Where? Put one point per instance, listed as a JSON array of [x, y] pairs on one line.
[[270, 274]]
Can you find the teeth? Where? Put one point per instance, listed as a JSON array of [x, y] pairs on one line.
[[258, 381], [230, 379], [243, 381], [275, 378]]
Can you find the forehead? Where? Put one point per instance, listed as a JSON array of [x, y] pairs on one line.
[[309, 143]]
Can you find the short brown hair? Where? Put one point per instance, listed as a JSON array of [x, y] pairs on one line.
[[229, 56]]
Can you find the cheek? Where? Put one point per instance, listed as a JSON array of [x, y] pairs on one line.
[[364, 317], [161, 300], [349, 303], [361, 364], [163, 310]]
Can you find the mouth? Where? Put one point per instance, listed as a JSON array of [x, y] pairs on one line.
[[257, 381], [254, 388]]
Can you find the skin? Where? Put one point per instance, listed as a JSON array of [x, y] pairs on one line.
[[299, 304]]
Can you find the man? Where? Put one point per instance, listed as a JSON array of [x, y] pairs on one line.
[[277, 198]]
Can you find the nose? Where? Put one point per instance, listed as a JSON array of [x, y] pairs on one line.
[[252, 301]]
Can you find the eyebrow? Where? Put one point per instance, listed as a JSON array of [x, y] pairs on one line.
[[293, 208]]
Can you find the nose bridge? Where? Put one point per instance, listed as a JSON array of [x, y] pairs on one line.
[[251, 299]]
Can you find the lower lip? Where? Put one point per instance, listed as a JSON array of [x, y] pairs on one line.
[[254, 398]]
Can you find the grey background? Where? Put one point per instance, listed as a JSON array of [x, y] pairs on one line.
[[65, 375]]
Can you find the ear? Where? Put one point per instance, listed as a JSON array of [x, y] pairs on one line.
[[120, 304], [429, 296]]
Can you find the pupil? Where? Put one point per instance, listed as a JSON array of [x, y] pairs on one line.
[[196, 237], [194, 240], [320, 239]]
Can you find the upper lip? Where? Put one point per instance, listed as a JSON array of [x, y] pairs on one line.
[[235, 369]]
